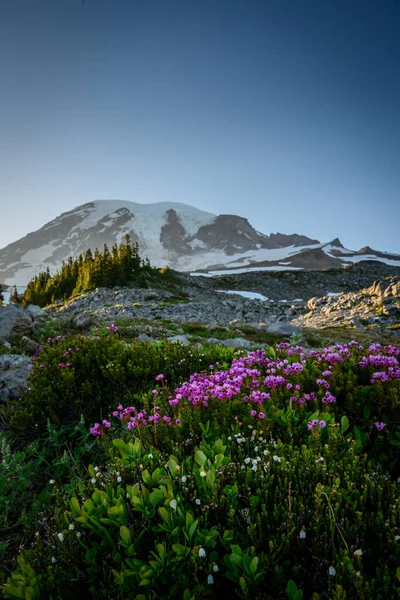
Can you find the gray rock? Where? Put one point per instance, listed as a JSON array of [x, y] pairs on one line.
[[30, 346], [283, 328], [143, 337], [181, 339], [82, 321], [14, 371], [236, 343], [14, 321], [35, 311]]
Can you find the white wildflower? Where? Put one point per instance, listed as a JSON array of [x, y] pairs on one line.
[[60, 536], [202, 552]]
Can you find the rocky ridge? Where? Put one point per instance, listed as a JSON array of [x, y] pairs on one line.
[[201, 311], [375, 306]]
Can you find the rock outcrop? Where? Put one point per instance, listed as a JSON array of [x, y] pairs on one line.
[[376, 306], [14, 320], [14, 372]]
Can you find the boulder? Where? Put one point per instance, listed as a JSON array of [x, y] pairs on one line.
[[236, 343], [83, 321], [14, 321], [283, 329], [28, 345], [143, 337], [14, 371], [180, 339], [35, 311]]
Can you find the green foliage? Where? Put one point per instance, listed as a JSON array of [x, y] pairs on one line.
[[207, 522], [121, 266], [221, 504], [88, 376]]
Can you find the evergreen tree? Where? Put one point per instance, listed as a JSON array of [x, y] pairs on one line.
[[121, 266], [14, 297], [1, 296]]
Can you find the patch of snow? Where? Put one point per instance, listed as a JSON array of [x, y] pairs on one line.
[[387, 261], [197, 244], [244, 294], [333, 294], [244, 270]]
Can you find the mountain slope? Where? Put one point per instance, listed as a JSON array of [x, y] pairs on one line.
[[179, 235]]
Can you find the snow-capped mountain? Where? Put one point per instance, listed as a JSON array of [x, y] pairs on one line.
[[185, 238]]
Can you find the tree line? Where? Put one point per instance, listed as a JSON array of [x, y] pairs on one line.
[[120, 266]]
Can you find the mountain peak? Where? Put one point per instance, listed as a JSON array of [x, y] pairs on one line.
[[173, 233]]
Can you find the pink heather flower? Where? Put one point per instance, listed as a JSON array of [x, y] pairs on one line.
[[106, 424], [155, 393], [115, 413], [177, 421], [96, 429], [261, 415], [42, 366], [119, 407], [253, 413], [379, 425], [322, 424], [159, 377]]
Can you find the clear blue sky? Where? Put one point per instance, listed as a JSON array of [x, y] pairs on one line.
[[286, 112]]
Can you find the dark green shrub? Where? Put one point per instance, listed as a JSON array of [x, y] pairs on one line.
[[88, 376], [223, 520]]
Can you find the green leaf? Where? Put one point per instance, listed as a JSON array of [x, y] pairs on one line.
[[254, 565], [236, 550], [76, 509], [179, 549], [291, 589], [146, 477], [145, 582], [29, 593], [164, 515], [156, 497], [125, 450], [193, 529], [344, 427], [210, 477], [125, 534], [200, 457], [367, 412]]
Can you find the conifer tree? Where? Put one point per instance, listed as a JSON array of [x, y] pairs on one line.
[[14, 297]]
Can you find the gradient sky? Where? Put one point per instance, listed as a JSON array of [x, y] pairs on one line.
[[286, 112]]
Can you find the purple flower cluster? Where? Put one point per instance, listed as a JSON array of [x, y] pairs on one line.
[[256, 379], [97, 429], [112, 328], [316, 423]]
